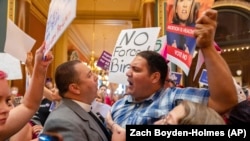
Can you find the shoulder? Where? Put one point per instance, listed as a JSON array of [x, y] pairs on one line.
[[199, 95]]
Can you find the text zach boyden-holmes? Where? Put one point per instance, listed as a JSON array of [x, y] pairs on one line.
[[176, 132]]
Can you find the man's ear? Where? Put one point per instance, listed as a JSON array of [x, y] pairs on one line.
[[156, 76], [74, 88]]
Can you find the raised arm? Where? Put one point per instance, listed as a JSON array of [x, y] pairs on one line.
[[223, 95], [29, 68], [29, 63], [21, 114]]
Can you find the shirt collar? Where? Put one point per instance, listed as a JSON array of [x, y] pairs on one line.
[[149, 99], [85, 106]]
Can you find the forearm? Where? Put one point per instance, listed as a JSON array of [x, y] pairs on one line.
[[29, 69], [34, 93], [47, 93], [222, 89]]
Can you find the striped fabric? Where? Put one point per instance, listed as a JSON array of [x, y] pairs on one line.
[[127, 112]]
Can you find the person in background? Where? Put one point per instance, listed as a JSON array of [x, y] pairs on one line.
[[169, 83], [116, 97], [49, 84], [99, 107], [241, 97], [9, 124], [73, 118], [240, 114], [100, 96], [103, 91]]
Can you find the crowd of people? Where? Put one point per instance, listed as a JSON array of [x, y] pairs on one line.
[[85, 112]]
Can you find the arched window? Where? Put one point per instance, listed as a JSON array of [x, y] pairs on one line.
[[233, 26]]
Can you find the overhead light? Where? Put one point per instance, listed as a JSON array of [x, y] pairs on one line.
[[239, 72]]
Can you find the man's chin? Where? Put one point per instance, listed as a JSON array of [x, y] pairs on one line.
[[129, 91]]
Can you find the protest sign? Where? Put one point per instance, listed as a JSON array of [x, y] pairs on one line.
[[160, 46], [11, 66], [176, 77], [20, 45], [180, 27], [61, 14], [203, 78], [104, 60], [129, 43]]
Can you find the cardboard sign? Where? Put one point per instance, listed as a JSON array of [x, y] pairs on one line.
[[11, 66], [129, 43], [176, 77], [180, 28], [203, 77], [61, 14], [160, 46], [20, 45], [104, 60]]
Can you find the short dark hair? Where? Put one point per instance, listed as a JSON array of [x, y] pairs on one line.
[[103, 85], [156, 63], [65, 75]]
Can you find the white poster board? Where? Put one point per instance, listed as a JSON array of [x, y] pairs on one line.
[[160, 46], [17, 43], [129, 43], [11, 66], [61, 14]]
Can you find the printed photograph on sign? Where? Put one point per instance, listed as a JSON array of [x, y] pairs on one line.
[[181, 17]]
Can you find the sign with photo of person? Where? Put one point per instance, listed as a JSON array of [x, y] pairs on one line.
[[181, 17]]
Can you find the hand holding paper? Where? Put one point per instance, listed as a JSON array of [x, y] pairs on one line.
[[204, 29]]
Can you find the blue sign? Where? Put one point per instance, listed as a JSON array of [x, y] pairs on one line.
[[203, 78], [176, 77]]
